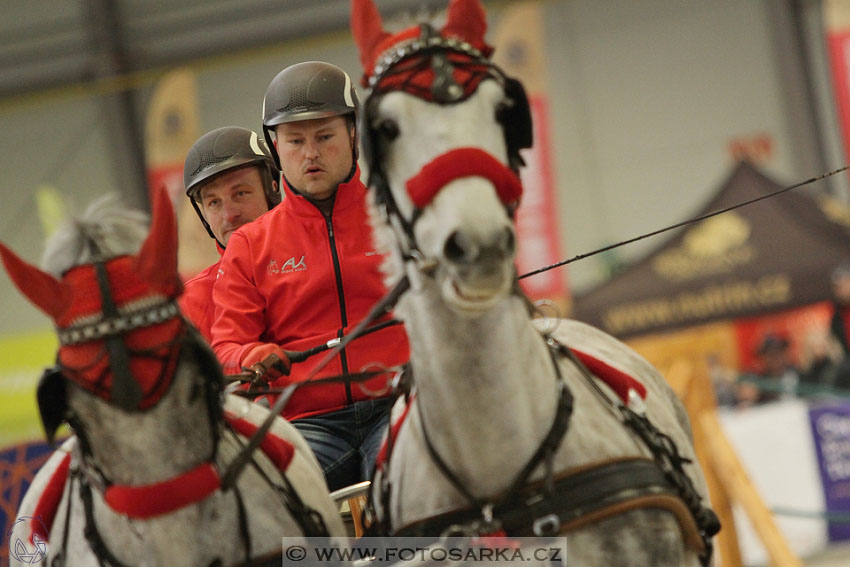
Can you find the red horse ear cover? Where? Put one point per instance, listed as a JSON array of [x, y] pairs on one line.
[[466, 20], [156, 262], [367, 29], [43, 290]]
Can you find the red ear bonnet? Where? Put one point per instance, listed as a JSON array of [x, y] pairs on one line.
[[465, 21], [46, 292], [142, 289], [157, 258]]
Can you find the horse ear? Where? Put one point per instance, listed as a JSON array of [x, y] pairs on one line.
[[367, 29], [156, 262], [46, 292], [466, 20]]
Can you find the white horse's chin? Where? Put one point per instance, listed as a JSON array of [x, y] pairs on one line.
[[472, 301]]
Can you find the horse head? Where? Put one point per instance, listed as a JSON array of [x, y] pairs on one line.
[[115, 313], [441, 131]]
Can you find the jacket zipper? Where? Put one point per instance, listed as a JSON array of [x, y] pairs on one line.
[[341, 296]]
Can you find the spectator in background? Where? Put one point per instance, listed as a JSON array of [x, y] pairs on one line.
[[777, 376], [723, 379], [840, 325], [820, 360]]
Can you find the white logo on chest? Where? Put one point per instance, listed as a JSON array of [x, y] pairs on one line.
[[294, 264]]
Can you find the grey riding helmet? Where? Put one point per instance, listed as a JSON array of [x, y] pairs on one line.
[[224, 149], [306, 91]]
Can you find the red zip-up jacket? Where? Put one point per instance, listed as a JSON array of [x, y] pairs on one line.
[[196, 300], [296, 279]]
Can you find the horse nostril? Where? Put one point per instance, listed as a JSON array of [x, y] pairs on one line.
[[459, 249]]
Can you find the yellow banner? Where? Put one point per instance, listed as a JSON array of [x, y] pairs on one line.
[[22, 359]]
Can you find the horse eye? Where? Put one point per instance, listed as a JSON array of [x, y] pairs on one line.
[[388, 129]]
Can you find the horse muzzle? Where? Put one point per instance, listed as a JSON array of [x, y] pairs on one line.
[[478, 272]]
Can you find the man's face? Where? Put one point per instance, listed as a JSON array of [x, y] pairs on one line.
[[315, 155], [232, 199]]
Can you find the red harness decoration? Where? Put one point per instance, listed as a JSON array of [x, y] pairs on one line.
[[463, 162], [396, 427], [48, 501], [617, 380], [151, 500], [278, 450]]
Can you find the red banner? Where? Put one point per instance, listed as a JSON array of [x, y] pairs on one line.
[[537, 222], [839, 55], [519, 50]]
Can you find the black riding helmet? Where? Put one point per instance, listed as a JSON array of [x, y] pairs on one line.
[[224, 149], [305, 91]]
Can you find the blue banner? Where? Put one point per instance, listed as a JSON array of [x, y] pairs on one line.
[[18, 465], [831, 431]]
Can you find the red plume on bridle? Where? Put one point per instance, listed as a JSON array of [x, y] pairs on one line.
[[465, 21], [141, 290]]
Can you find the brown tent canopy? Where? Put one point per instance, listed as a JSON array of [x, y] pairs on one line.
[[768, 256]]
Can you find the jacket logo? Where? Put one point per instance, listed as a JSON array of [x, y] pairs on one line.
[[294, 264]]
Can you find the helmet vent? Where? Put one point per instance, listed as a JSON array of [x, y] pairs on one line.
[[300, 102], [206, 159]]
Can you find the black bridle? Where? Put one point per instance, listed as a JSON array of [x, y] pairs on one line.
[[431, 51]]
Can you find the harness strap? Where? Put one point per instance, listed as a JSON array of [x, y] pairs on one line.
[[543, 454], [243, 523], [126, 392], [96, 543], [581, 496]]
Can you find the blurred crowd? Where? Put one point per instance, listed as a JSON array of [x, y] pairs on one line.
[[822, 368]]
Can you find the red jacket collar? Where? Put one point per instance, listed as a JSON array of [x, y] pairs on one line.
[[349, 193]]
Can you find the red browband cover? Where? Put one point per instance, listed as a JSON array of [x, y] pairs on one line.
[[463, 162]]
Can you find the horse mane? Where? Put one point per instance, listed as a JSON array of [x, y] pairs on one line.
[[385, 241], [107, 228]]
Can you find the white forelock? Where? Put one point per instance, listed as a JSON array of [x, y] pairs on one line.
[[106, 229]]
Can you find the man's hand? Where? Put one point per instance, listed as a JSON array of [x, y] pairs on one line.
[[268, 362]]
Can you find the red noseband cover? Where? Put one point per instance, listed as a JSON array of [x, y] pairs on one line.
[[464, 162]]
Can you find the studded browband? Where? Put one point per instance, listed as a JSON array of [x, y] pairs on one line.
[[126, 322], [415, 46]]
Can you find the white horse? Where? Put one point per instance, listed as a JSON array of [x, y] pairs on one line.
[[147, 477], [493, 387]]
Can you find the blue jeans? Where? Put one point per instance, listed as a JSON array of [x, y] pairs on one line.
[[346, 442]]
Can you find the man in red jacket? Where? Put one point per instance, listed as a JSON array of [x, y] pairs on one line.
[[308, 272], [231, 179]]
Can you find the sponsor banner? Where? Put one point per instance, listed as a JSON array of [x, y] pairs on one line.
[[831, 431], [171, 127], [18, 466], [721, 300], [537, 222], [805, 327]]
